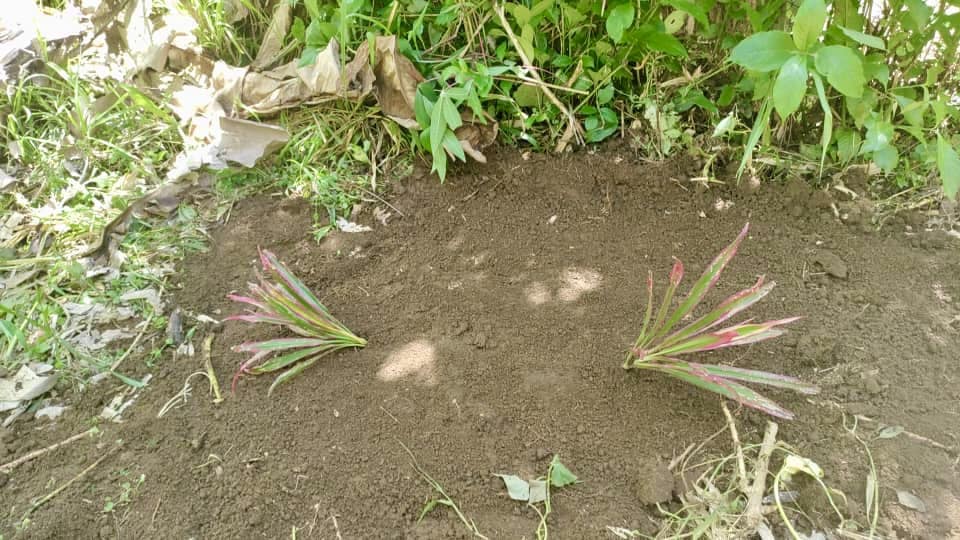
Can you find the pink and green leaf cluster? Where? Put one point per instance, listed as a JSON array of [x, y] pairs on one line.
[[282, 299], [665, 336]]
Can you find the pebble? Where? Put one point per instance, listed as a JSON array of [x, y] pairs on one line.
[[872, 385], [654, 482], [831, 263]]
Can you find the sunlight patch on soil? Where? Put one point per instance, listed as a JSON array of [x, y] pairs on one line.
[[414, 360], [537, 293], [577, 281]]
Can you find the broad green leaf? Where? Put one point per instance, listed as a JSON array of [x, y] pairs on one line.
[[842, 68], [605, 94], [450, 113], [864, 39], [920, 13], [453, 146], [517, 488], [541, 7], [879, 135], [848, 145], [886, 158], [862, 108], [313, 9], [619, 20], [520, 13], [527, 95], [764, 51], [697, 10], [808, 24], [655, 39], [827, 133], [526, 42], [422, 108], [949, 164], [914, 112], [875, 69], [674, 22], [299, 30], [572, 16], [560, 475], [790, 86]]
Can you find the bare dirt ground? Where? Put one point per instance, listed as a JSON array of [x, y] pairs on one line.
[[498, 308]]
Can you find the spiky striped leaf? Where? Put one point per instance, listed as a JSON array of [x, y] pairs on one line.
[[704, 284], [726, 388]]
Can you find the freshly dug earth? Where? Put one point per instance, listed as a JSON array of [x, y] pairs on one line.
[[498, 308]]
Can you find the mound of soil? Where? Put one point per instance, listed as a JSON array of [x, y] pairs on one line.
[[498, 308]]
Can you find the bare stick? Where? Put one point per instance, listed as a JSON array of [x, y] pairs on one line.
[[6, 468], [57, 491], [392, 417], [208, 363], [912, 435], [136, 340], [741, 464], [573, 127], [754, 510], [156, 509], [336, 527]]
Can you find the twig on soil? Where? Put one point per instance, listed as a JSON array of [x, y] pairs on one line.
[[46, 498], [912, 435], [919, 438], [153, 517], [336, 527], [392, 417], [379, 198], [444, 499], [754, 511], [136, 340], [181, 396], [741, 464], [6, 468], [211, 376], [573, 126], [679, 459]]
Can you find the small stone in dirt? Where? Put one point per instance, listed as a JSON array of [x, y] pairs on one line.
[[543, 453], [654, 482], [872, 385], [831, 263]]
